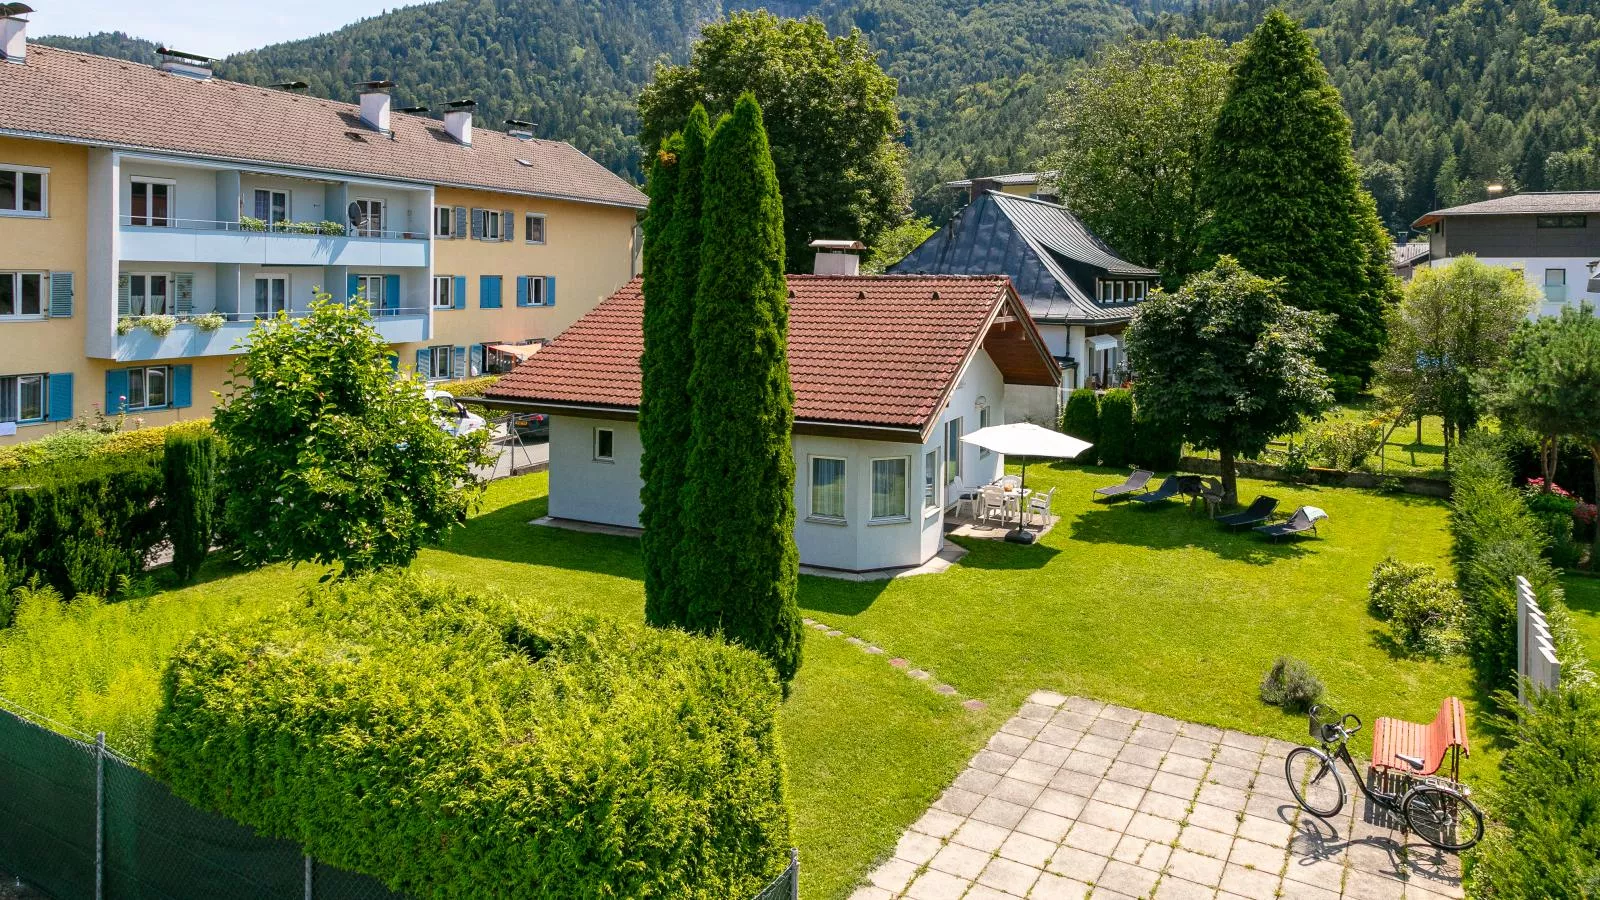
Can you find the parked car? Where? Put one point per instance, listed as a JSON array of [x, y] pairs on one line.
[[452, 415], [531, 426]]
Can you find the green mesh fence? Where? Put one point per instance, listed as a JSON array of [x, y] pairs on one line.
[[155, 846]]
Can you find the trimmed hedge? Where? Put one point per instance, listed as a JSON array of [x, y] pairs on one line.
[[1116, 428], [1545, 840], [82, 527], [1494, 538], [78, 443], [456, 745], [1081, 418], [190, 464]]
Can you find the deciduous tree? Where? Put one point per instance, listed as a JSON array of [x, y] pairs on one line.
[[1227, 364], [740, 565]]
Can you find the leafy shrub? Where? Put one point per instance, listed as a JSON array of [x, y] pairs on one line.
[[460, 745], [1545, 840], [1081, 418], [208, 322], [332, 229], [1574, 468], [1427, 617], [251, 223], [1155, 448], [89, 437], [1345, 388], [1116, 428], [189, 464], [83, 526], [1344, 445], [1296, 463], [1553, 511], [1291, 685], [1390, 578], [471, 387]]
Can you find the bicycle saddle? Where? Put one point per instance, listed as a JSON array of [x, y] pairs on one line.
[[1413, 761]]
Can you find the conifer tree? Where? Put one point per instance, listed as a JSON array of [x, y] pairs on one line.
[[189, 462], [740, 565], [662, 393], [1287, 199]]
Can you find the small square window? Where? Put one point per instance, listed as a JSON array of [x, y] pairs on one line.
[[604, 445], [535, 228], [24, 191]]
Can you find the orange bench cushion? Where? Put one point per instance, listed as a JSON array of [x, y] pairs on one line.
[[1393, 738]]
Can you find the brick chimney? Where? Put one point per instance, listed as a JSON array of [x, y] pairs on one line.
[[837, 257]]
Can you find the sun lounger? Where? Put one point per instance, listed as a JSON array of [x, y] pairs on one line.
[[1169, 489], [1138, 481], [1304, 519], [1257, 512]]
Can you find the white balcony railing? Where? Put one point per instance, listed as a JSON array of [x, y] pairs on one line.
[[248, 225]]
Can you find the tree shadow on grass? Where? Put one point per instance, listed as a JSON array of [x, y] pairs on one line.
[[505, 535], [823, 595], [1171, 529], [1003, 555]]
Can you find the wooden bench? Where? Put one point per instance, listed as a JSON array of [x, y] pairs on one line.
[[1445, 736]]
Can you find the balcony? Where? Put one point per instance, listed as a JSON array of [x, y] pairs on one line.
[[186, 339], [279, 244]]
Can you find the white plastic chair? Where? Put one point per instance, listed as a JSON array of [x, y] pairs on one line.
[[968, 496], [994, 500], [1039, 505]]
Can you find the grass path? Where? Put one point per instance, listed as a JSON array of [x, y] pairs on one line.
[[1156, 609]]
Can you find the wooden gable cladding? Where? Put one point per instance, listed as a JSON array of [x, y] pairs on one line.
[[1018, 351]]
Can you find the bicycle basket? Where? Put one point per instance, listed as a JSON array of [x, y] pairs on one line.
[[1325, 724]]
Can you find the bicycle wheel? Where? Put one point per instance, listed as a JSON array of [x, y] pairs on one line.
[[1315, 781], [1443, 817]]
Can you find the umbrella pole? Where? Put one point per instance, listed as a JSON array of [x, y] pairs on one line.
[[1022, 535]]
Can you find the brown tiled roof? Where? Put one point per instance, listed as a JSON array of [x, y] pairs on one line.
[[879, 351], [82, 97], [1532, 203]]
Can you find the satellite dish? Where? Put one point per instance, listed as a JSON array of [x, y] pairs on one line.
[[357, 216]]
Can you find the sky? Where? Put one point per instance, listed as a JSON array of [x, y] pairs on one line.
[[213, 28]]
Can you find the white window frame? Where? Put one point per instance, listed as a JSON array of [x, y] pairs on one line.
[[16, 295], [527, 228], [143, 373], [953, 430], [983, 422], [371, 206], [932, 480], [448, 295], [905, 500], [288, 209], [491, 224], [18, 172], [12, 385], [150, 221], [364, 287], [269, 277], [611, 434], [133, 308], [444, 222], [811, 489], [446, 351], [535, 289]]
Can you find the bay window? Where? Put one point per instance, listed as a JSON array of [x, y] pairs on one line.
[[827, 488], [889, 487]]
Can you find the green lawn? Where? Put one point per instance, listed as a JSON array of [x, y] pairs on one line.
[[1155, 609], [1583, 598], [1403, 454]]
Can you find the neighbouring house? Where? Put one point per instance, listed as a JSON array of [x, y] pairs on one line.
[[1405, 258], [1080, 294], [1552, 238], [1036, 185], [149, 215], [888, 372]]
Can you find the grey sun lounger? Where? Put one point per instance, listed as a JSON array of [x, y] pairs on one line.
[[1257, 512], [1304, 519], [1169, 489], [1138, 481]]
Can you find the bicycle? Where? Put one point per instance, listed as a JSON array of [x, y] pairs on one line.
[[1437, 810]]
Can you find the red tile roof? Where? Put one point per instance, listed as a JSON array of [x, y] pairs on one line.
[[95, 99], [880, 351]]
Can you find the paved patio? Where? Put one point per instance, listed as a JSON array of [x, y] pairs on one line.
[[1075, 798]]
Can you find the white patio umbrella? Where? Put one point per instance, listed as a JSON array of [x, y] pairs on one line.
[[1025, 439]]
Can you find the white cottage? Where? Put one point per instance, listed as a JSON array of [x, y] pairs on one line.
[[888, 372]]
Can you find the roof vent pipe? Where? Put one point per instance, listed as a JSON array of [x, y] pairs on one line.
[[189, 65], [837, 257], [14, 32], [375, 104], [458, 120]]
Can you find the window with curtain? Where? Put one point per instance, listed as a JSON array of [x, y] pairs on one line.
[[889, 487], [827, 487], [930, 479], [21, 398]]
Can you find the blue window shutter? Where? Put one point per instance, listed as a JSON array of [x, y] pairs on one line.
[[391, 291], [508, 225], [58, 393], [116, 391], [460, 231], [522, 290], [61, 299], [479, 224], [459, 367], [550, 290], [458, 292], [353, 288], [183, 292], [183, 386], [424, 358], [122, 295], [475, 360], [394, 362], [489, 292]]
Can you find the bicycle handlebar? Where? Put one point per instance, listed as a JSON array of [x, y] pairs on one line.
[[1348, 732]]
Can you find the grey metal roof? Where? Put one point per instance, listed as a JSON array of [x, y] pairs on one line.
[[1014, 178], [1408, 254], [1533, 203], [1034, 243]]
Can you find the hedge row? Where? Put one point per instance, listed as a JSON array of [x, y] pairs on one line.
[[459, 745], [1111, 423], [1495, 538], [76, 443]]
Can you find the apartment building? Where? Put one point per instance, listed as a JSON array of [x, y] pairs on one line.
[[149, 216], [1552, 238]]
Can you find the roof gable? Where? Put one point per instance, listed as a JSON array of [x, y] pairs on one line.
[[80, 97], [864, 351]]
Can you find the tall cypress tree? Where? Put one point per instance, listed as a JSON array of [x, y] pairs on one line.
[[740, 565], [1286, 195]]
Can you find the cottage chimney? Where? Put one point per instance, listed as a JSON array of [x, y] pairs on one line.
[[837, 257], [189, 65], [458, 120], [14, 32], [375, 104]]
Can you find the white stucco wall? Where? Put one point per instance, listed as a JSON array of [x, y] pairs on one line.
[[1533, 270], [590, 490]]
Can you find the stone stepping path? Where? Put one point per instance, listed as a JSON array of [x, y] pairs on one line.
[[1075, 798], [900, 663]]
